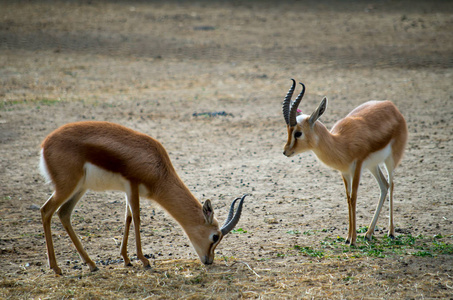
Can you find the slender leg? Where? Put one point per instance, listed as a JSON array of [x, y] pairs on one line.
[[350, 221], [47, 210], [355, 187], [389, 165], [134, 205], [127, 224], [391, 232], [383, 185], [347, 185], [64, 213]]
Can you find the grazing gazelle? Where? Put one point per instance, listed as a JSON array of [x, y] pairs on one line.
[[374, 133], [105, 156]]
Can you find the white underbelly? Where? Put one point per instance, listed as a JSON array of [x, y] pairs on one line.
[[98, 179], [377, 157]]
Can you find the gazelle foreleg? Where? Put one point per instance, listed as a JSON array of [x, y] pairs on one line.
[[347, 184], [352, 201], [384, 186], [134, 205], [127, 225]]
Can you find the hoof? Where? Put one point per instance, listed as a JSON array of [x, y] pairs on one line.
[[94, 269], [128, 264], [392, 236], [57, 271], [147, 267], [348, 242]]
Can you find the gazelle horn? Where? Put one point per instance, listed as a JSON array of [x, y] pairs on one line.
[[231, 212], [231, 221], [287, 102], [294, 106]]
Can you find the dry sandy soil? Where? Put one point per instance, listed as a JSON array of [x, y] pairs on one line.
[[152, 65]]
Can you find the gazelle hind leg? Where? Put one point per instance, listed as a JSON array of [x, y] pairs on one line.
[[64, 213], [127, 225], [391, 232], [47, 210], [389, 165], [383, 185]]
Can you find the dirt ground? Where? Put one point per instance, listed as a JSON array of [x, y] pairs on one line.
[[156, 67]]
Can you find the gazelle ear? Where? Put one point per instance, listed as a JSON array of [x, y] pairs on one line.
[[208, 212], [318, 112]]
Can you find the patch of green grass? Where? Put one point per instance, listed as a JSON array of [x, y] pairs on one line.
[[348, 278], [372, 252], [228, 258], [377, 247], [239, 230], [442, 248], [423, 253], [48, 102], [383, 247], [293, 232], [362, 229], [9, 105], [309, 251], [197, 279], [332, 243]]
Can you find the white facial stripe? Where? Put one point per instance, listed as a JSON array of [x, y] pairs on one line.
[[301, 117]]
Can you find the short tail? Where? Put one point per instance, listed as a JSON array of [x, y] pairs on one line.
[[43, 168]]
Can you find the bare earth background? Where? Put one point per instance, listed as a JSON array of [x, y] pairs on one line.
[[151, 65]]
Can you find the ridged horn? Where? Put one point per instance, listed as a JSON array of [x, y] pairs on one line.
[[230, 213], [287, 102], [294, 106], [233, 220]]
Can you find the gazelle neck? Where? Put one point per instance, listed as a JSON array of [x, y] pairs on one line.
[[177, 200], [330, 148]]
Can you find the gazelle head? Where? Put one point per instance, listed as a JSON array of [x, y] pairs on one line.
[[301, 133], [207, 237]]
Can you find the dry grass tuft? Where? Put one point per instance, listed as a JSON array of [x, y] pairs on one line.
[[275, 278]]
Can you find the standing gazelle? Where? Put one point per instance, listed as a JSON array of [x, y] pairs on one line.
[[105, 156], [374, 133]]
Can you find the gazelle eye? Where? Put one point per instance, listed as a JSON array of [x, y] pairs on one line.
[[298, 134], [215, 238]]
